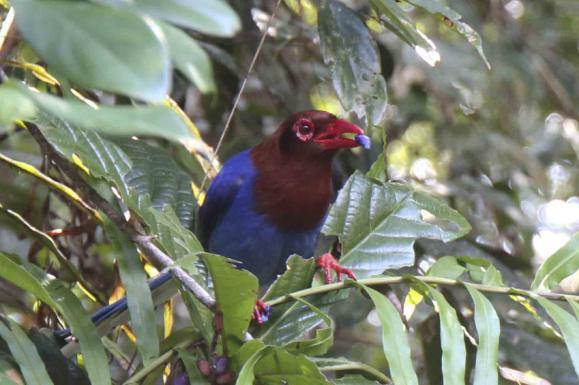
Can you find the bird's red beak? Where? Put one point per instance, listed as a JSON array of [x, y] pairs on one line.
[[338, 134]]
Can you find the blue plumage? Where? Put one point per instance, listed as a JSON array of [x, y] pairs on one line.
[[231, 225]]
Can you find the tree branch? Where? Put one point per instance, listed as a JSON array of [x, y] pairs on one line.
[[155, 255]]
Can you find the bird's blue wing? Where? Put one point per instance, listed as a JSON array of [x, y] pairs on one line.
[[234, 173]]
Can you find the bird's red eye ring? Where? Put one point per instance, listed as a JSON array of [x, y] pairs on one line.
[[304, 130]]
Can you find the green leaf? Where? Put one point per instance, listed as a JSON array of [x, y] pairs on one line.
[[14, 106], [446, 267], [235, 293], [97, 46], [378, 169], [139, 300], [352, 56], [157, 121], [343, 364], [25, 353], [488, 328], [558, 266], [354, 380], [213, 17], [451, 341], [268, 365], [189, 58], [437, 8], [322, 340], [395, 19], [52, 292], [378, 224], [569, 326], [394, 341]]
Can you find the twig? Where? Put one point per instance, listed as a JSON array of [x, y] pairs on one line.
[[241, 89], [381, 281], [145, 243], [7, 35]]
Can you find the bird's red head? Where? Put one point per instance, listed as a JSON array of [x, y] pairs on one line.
[[318, 131]]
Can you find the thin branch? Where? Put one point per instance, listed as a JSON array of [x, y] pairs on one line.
[[381, 281], [241, 89], [155, 255]]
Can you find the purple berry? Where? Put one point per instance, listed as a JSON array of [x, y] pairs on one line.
[[363, 141]]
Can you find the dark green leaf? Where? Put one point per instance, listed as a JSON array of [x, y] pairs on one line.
[[452, 341], [235, 293], [569, 326], [342, 364], [213, 17], [56, 295], [379, 223], [321, 342], [558, 266], [97, 46], [139, 300], [394, 341], [488, 328], [354, 380], [189, 58], [25, 353], [352, 55]]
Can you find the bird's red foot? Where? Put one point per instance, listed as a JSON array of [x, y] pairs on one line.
[[261, 312], [327, 263]]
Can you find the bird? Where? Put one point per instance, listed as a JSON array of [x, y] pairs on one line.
[[270, 201]]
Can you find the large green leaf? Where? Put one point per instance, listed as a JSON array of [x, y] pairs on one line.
[[214, 17], [125, 121], [189, 58], [268, 365], [235, 293], [139, 300], [394, 341], [97, 46], [25, 353], [352, 55], [168, 185], [451, 341], [488, 328], [558, 266], [378, 224], [569, 326], [52, 292], [437, 8]]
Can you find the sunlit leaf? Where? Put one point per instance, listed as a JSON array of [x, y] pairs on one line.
[[25, 353], [379, 223], [14, 106], [488, 328], [569, 326], [394, 340], [213, 17], [189, 58], [99, 47], [558, 266], [455, 19], [352, 55]]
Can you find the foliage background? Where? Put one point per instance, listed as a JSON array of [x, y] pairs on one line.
[[500, 145]]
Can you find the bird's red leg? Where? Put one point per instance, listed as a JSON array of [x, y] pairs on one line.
[[327, 263], [261, 312]]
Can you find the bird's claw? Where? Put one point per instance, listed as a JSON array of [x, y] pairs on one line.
[[261, 312], [327, 263]]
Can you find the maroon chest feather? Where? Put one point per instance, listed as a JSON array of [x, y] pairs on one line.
[[293, 191]]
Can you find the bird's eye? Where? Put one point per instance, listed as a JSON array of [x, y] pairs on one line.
[[305, 129]]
